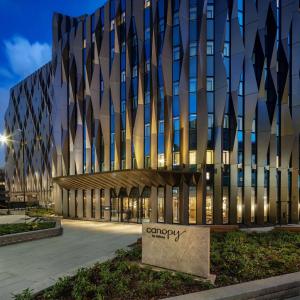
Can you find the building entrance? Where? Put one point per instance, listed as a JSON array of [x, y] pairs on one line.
[[132, 209]]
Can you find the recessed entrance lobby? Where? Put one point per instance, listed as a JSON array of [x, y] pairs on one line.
[[135, 196]]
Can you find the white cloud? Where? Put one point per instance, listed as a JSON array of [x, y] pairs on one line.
[[24, 57]]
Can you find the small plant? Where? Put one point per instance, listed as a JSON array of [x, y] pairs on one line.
[[25, 295], [235, 257], [24, 227]]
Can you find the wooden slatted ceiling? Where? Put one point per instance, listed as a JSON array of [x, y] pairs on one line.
[[126, 178]]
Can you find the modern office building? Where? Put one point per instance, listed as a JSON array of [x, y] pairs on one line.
[[176, 111]]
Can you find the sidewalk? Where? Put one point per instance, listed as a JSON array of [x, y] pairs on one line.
[[279, 287]]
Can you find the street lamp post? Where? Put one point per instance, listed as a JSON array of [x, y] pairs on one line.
[[5, 140]]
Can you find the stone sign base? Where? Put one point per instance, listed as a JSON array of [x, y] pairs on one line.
[[176, 247]]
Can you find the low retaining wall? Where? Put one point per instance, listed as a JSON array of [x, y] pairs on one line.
[[278, 287], [289, 228], [31, 235]]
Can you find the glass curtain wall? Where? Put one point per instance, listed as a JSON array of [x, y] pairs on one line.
[[84, 58], [134, 82], [123, 83], [147, 82], [161, 96], [226, 122], [210, 49], [240, 125], [176, 79], [111, 59], [193, 82]]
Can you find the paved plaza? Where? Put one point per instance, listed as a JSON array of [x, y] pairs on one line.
[[39, 264]]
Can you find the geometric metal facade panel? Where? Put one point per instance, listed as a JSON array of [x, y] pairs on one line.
[[203, 86], [29, 112]]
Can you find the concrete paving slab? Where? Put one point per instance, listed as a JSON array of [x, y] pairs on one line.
[[12, 219], [39, 264]]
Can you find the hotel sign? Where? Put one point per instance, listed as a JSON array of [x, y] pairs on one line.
[[179, 248]]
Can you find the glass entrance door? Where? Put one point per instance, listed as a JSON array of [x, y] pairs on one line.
[[135, 210], [115, 210], [145, 210]]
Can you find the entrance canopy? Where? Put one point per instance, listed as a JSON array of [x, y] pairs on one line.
[[127, 178]]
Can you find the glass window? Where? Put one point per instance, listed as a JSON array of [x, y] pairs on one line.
[[226, 50], [226, 121], [239, 205], [176, 159], [147, 130], [176, 53], [175, 198], [209, 157], [193, 49], [193, 13], [193, 85], [225, 205], [207, 176], [161, 160], [176, 88], [210, 48], [176, 19], [134, 71], [161, 205], [192, 205], [123, 76], [210, 84], [210, 30], [209, 207], [226, 157], [253, 205], [193, 67], [240, 123], [161, 127], [193, 121], [192, 157], [210, 121], [266, 205], [147, 98], [210, 12]]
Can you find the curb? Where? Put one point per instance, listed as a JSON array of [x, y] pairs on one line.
[[279, 287], [28, 236]]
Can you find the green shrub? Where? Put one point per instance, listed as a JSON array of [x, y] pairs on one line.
[[235, 257], [25, 295], [24, 227]]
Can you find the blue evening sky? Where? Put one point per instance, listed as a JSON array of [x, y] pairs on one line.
[[26, 37]]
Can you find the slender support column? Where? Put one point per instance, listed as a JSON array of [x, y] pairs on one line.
[[201, 194], [65, 203], [80, 204], [169, 205], [107, 204], [153, 204], [184, 203], [88, 194], [57, 198], [97, 203], [260, 196], [72, 204]]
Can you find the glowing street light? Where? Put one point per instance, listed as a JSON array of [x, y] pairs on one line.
[[4, 139]]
